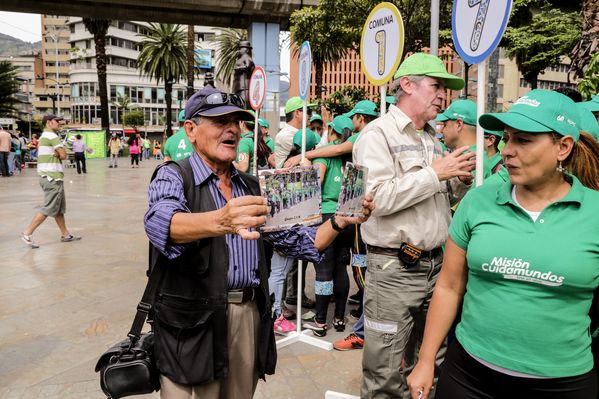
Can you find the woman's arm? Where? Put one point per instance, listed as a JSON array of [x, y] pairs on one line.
[[446, 301]]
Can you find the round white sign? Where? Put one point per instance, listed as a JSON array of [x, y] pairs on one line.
[[305, 69], [382, 43], [477, 27], [257, 88]]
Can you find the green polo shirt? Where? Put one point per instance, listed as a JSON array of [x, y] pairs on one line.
[[352, 139], [178, 147], [530, 284], [493, 162], [48, 164], [246, 146], [270, 143], [331, 185]]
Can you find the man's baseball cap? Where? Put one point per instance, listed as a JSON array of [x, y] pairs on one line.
[[295, 103], [212, 102], [498, 133], [539, 111], [340, 123], [312, 139], [51, 117], [315, 117], [588, 122], [182, 116], [428, 65], [592, 105], [460, 109], [263, 122], [364, 107]]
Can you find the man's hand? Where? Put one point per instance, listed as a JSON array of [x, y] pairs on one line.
[[367, 208], [459, 163], [241, 214], [292, 161]]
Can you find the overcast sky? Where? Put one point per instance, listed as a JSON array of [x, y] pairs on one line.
[[26, 27]]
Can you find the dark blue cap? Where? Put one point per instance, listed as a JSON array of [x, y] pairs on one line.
[[200, 105]]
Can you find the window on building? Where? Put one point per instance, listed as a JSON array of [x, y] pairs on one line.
[[500, 91]]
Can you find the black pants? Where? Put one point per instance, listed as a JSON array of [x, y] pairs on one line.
[[135, 158], [4, 163], [464, 377], [80, 161]]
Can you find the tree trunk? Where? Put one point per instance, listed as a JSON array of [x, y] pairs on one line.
[[466, 79], [533, 79], [190, 60], [100, 42], [589, 42], [493, 76], [168, 97], [318, 73]]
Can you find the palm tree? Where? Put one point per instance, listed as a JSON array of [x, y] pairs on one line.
[[8, 88], [589, 42], [122, 102], [99, 28], [190, 59], [227, 45], [163, 57]]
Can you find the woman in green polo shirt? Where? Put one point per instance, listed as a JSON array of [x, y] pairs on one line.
[[523, 260], [245, 148]]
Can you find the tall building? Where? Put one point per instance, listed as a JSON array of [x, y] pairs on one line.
[[26, 68], [123, 77], [52, 92]]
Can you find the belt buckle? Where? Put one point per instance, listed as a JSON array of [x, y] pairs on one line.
[[235, 297]]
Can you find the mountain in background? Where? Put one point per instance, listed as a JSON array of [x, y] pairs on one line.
[[12, 46]]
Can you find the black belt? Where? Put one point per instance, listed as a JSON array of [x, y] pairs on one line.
[[433, 253], [241, 296]]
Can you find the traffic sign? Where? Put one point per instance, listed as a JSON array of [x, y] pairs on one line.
[[477, 27], [257, 88], [305, 70], [382, 43]]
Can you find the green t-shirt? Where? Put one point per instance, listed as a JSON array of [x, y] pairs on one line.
[[331, 185], [352, 139], [493, 162], [270, 143], [48, 164], [246, 146], [530, 284], [178, 147]]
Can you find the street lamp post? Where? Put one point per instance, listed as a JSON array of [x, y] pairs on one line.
[[54, 97], [55, 38]]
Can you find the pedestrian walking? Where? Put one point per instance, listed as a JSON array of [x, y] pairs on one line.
[[5, 147], [51, 177], [114, 146], [79, 148], [135, 149]]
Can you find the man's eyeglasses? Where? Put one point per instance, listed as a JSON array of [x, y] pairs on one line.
[[218, 99]]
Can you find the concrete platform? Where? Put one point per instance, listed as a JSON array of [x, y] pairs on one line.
[[63, 304]]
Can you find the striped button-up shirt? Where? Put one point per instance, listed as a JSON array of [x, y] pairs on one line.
[[167, 197]]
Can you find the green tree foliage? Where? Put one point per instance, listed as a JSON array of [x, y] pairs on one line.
[[9, 86], [99, 28], [134, 118], [163, 57], [122, 103], [343, 100], [227, 44], [589, 84], [550, 34]]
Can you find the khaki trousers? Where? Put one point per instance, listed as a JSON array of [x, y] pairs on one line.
[[396, 301], [242, 340]]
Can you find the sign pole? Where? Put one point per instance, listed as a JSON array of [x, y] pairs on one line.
[[480, 109], [304, 124], [255, 158], [256, 97], [383, 99]]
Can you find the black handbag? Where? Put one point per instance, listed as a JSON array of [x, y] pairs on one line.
[[128, 367]]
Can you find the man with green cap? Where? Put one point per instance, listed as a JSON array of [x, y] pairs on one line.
[[284, 139], [178, 147], [492, 140], [413, 185], [316, 124]]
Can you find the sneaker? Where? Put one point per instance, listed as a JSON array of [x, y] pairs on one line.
[[69, 238], [29, 240], [309, 315], [307, 303], [110, 166], [352, 341], [318, 329], [283, 326], [355, 313], [355, 299], [287, 313], [339, 325]]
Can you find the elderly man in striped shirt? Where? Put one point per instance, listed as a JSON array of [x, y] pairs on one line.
[[51, 153]]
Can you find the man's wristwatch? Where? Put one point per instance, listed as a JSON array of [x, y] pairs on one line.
[[334, 224]]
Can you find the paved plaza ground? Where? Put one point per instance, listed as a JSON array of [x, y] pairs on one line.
[[63, 304]]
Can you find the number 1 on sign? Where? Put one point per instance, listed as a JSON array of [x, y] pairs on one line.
[[380, 37]]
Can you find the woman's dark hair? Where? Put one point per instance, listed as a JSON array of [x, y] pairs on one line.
[[263, 150], [78, 137]]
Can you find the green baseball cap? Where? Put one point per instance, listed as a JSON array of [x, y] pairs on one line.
[[588, 122], [315, 117], [364, 107], [263, 122], [428, 65], [295, 103], [311, 139], [498, 133], [390, 99], [182, 116], [460, 109], [539, 111], [592, 105], [340, 123]]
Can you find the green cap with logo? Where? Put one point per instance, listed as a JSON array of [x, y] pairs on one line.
[[588, 122], [390, 99], [263, 122], [295, 103], [182, 116], [340, 123], [460, 109], [311, 139], [539, 111], [428, 65], [315, 117], [364, 107], [592, 105]]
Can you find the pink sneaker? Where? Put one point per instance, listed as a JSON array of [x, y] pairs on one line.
[[283, 326]]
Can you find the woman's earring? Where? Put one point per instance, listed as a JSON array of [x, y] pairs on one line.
[[560, 168]]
